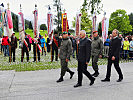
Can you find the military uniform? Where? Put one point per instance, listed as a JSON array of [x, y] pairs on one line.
[[65, 52], [96, 50]]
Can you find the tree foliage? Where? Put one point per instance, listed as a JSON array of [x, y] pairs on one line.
[[120, 20], [86, 23], [94, 5], [43, 27], [131, 21]]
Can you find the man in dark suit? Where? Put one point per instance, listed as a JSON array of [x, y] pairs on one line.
[[25, 48], [114, 52], [55, 45], [13, 44], [84, 53]]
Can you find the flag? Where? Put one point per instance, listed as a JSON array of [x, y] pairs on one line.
[[78, 24], [50, 26], [94, 22], [10, 23], [1, 22], [64, 22], [21, 26], [105, 26], [67, 26], [6, 29], [36, 33]]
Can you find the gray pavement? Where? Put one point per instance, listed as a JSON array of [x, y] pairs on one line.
[[41, 85]]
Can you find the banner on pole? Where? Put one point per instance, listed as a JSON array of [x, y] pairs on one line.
[[78, 24], [21, 26], [64, 22], [36, 33], [50, 26], [105, 26]]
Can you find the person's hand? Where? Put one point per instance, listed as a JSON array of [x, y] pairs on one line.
[[87, 63], [67, 60], [113, 58], [100, 56]]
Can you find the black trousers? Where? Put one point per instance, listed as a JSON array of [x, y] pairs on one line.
[[55, 49], [38, 54], [12, 52], [27, 54], [82, 69], [116, 65]]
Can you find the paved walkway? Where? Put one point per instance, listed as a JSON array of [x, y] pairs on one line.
[[41, 85]]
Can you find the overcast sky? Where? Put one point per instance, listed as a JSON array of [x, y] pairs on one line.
[[71, 6]]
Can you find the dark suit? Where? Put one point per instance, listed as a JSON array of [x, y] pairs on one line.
[[34, 49], [55, 48], [114, 50], [25, 49], [13, 44], [84, 53]]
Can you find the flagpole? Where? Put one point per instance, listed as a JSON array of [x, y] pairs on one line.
[[9, 40]]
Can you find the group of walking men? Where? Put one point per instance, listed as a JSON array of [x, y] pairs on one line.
[[86, 49]]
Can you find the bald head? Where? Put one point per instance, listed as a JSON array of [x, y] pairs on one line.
[[82, 34]]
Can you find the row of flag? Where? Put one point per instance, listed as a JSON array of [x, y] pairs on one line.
[[6, 23]]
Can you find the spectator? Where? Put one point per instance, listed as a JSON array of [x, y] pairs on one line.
[[30, 42], [5, 45], [43, 45], [131, 49], [126, 45], [106, 47]]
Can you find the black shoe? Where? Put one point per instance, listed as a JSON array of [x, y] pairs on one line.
[[60, 80], [92, 82], [95, 74], [77, 85], [71, 75], [106, 80], [120, 79]]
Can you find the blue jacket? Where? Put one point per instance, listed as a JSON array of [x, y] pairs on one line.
[[42, 42], [106, 43]]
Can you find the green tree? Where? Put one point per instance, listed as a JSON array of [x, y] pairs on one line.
[[86, 23], [30, 25], [131, 21], [120, 20], [94, 5], [15, 22], [43, 27]]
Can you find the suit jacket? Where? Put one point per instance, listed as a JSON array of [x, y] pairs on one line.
[[13, 42], [84, 50], [24, 46], [114, 48]]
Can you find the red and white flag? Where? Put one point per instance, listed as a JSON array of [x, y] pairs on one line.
[[36, 33], [78, 24], [50, 26], [8, 25], [105, 26]]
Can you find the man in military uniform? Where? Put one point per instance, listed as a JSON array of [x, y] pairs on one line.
[[64, 55], [96, 52]]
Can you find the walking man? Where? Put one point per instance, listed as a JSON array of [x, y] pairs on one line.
[[64, 55], [96, 51], [114, 53], [84, 53]]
